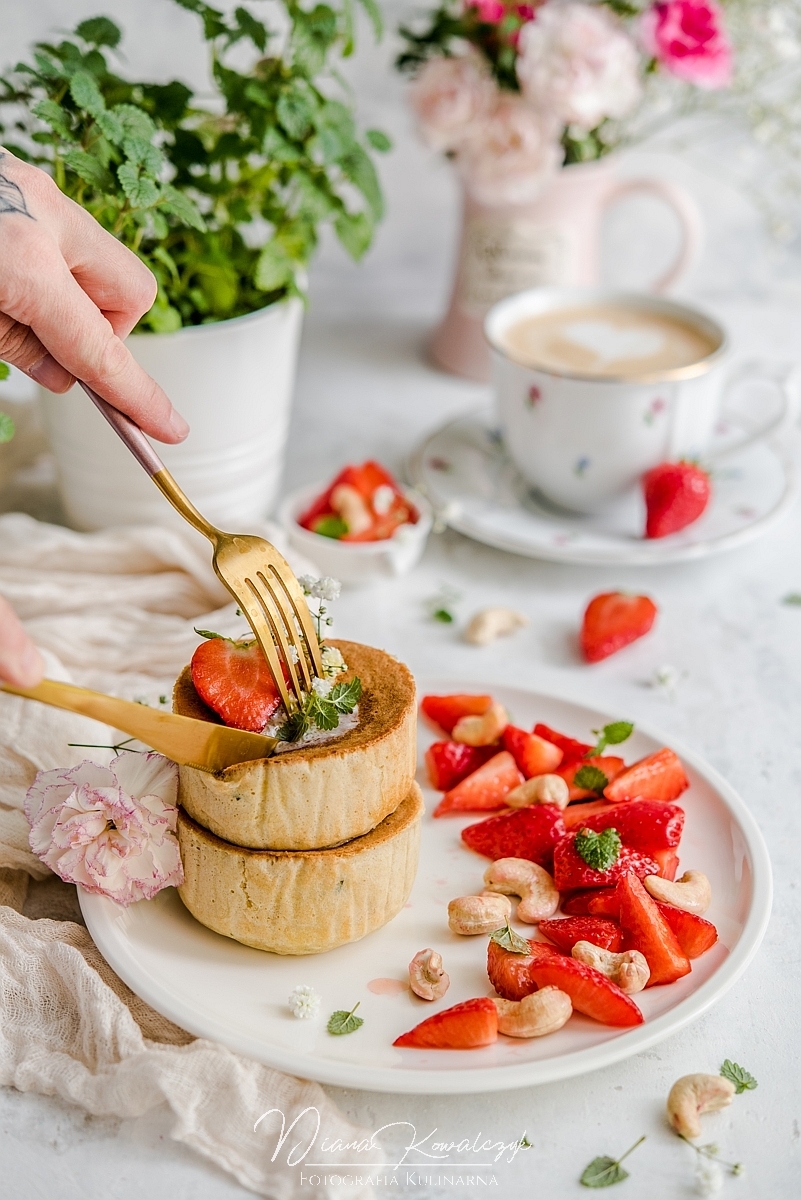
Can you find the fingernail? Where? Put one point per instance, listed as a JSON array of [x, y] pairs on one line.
[[30, 667], [49, 373], [178, 425]]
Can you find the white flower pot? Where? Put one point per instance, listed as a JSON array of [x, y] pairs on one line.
[[233, 382]]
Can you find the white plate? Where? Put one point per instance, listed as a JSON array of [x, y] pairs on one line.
[[218, 989], [466, 474]]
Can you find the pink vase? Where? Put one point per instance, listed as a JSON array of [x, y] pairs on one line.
[[554, 241]]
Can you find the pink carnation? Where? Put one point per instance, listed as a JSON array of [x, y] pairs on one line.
[[689, 39], [510, 154], [109, 829], [490, 11], [447, 96]]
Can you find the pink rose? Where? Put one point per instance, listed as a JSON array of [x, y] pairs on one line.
[[689, 39], [109, 829], [510, 154], [447, 96], [577, 62]]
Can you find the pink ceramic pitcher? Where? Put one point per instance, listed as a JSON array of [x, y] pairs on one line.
[[554, 241]]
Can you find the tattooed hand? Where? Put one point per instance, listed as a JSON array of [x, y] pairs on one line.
[[69, 294]]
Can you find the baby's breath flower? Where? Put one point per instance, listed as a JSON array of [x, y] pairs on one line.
[[708, 1177], [307, 582], [326, 588], [333, 662], [304, 1002]]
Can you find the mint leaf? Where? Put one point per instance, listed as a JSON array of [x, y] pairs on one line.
[[590, 778], [603, 1172], [379, 140], [294, 727], [345, 696], [7, 428], [99, 31], [599, 850], [342, 1022], [612, 735], [209, 633], [323, 712], [743, 1080], [330, 527], [443, 615], [510, 940]]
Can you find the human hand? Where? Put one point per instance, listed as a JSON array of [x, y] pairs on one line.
[[69, 294], [20, 661]]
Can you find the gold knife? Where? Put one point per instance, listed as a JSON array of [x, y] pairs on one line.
[[185, 740]]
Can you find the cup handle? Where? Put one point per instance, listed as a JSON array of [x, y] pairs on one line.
[[687, 213], [786, 380]]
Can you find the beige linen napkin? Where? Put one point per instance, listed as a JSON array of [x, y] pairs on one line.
[[115, 611]]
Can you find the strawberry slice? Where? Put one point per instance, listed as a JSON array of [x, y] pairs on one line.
[[694, 934], [509, 972], [533, 754], [571, 872], [233, 679], [444, 711], [572, 750], [668, 861], [383, 502], [658, 776], [525, 833], [577, 904], [485, 789], [647, 930], [676, 494], [448, 763], [566, 931], [612, 621], [463, 1027], [591, 992], [609, 764], [643, 824], [605, 903]]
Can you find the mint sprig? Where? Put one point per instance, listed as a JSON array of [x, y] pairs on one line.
[[342, 1022], [611, 735], [322, 711], [743, 1080], [604, 1171], [591, 778], [509, 940], [599, 850]]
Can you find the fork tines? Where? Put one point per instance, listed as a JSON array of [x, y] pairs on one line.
[[283, 627]]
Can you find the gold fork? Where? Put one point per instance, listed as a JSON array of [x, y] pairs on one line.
[[257, 576]]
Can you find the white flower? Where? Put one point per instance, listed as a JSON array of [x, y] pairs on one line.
[[448, 96], [333, 662], [307, 582], [326, 588], [708, 1177], [304, 1002], [510, 154], [576, 62]]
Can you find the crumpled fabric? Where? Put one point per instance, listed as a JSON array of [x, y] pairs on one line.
[[115, 611]]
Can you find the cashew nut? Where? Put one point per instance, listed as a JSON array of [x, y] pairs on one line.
[[539, 898], [542, 1012], [470, 915], [629, 970], [484, 730], [540, 789], [695, 1094], [490, 623], [351, 507], [692, 893], [426, 976]]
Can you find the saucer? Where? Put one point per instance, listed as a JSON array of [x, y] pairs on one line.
[[468, 477]]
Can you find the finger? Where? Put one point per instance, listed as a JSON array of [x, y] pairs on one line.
[[20, 346], [21, 663]]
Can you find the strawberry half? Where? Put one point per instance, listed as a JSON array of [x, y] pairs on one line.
[[590, 991], [658, 776], [668, 861], [234, 680], [599, 902], [485, 789], [646, 929], [676, 494], [694, 934], [464, 1027], [565, 932], [613, 620], [571, 872], [533, 754], [609, 764], [509, 972], [448, 763], [643, 824], [444, 711], [524, 833], [572, 750]]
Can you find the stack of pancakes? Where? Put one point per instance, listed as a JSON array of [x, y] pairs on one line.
[[316, 846]]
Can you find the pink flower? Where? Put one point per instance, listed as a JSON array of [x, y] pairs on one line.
[[489, 11], [447, 96], [109, 829], [510, 154], [689, 39], [577, 62]]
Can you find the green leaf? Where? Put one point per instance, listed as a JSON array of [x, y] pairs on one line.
[[357, 166], [274, 268], [99, 31], [510, 940], [591, 778], [5, 370], [54, 115], [793, 599], [249, 27], [140, 191], [443, 615], [182, 207], [599, 850], [135, 122], [342, 1022], [355, 232], [330, 527], [7, 428], [743, 1080], [112, 127], [603, 1172], [612, 735], [379, 140], [345, 696], [143, 154], [376, 20], [86, 93], [293, 729], [295, 111], [87, 168], [210, 634], [324, 714]]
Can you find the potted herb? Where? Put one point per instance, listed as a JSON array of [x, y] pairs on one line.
[[225, 204]]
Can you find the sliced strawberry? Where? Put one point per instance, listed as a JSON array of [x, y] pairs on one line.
[[612, 621], [234, 680], [591, 992], [658, 776], [675, 495], [577, 904], [646, 930], [444, 711], [605, 903], [533, 755], [609, 764], [485, 789], [463, 1027], [643, 824], [565, 932], [570, 872], [572, 750], [668, 861], [509, 972], [448, 763], [525, 833], [694, 934], [386, 511]]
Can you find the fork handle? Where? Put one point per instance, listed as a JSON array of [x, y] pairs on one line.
[[131, 435]]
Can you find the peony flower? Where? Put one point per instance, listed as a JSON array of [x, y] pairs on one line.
[[577, 62], [109, 829], [689, 39], [510, 154], [447, 96]]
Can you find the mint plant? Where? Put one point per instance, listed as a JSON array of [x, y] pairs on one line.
[[225, 203]]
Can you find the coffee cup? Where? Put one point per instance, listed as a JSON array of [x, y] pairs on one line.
[[593, 387]]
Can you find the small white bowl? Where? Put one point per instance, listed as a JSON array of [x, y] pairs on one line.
[[357, 562]]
